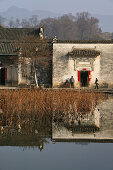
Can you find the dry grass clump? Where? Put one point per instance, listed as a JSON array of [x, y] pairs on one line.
[[64, 100], [33, 104]]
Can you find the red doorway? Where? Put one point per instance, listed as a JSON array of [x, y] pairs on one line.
[[84, 77]]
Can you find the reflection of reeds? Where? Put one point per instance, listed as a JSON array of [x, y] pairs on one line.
[[36, 104]]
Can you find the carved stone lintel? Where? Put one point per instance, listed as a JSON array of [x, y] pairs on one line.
[[85, 63]]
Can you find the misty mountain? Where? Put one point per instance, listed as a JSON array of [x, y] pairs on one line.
[[21, 13], [106, 21]]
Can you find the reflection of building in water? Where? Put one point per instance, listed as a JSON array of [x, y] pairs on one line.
[[23, 140], [25, 131], [74, 126], [95, 124], [90, 121], [11, 137], [85, 115]]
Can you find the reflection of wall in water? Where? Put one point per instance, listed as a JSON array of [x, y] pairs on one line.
[[106, 111], [102, 117], [78, 125], [87, 116], [25, 131]]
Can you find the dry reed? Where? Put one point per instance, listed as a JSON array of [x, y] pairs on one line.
[[33, 104]]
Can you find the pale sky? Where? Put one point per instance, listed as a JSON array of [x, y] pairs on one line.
[[62, 6]]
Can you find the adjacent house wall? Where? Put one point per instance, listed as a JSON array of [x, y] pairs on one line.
[[11, 71], [12, 74]]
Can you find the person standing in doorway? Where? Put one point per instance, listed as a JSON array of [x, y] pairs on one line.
[[72, 81], [67, 83], [96, 83]]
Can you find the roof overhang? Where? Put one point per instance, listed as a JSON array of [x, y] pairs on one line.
[[8, 54], [90, 53]]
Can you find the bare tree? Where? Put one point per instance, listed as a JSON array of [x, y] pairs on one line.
[[11, 23], [2, 20], [30, 22], [81, 27], [63, 27], [34, 52], [25, 23], [17, 23], [33, 21], [67, 27], [87, 26]]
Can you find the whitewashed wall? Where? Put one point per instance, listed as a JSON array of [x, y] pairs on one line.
[[63, 67]]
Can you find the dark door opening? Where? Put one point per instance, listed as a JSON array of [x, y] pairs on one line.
[[2, 76], [84, 79]]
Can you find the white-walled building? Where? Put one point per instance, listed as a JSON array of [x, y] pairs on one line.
[[85, 61]]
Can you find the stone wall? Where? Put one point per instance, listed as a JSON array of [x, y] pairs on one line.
[[64, 67]]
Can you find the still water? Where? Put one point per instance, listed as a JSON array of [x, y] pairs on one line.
[[58, 156], [81, 137]]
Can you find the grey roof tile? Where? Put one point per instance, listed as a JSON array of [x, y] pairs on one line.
[[10, 36], [8, 48], [16, 33]]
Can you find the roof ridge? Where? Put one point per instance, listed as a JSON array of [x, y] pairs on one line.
[[19, 28], [83, 41]]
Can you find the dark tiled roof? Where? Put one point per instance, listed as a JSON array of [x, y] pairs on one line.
[[85, 41], [84, 53], [10, 36], [83, 128], [8, 48], [16, 33], [37, 48]]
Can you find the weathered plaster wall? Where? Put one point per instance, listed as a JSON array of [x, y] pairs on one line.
[[12, 73], [10, 62], [63, 67]]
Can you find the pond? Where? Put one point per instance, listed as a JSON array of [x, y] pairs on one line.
[[58, 156], [75, 134]]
